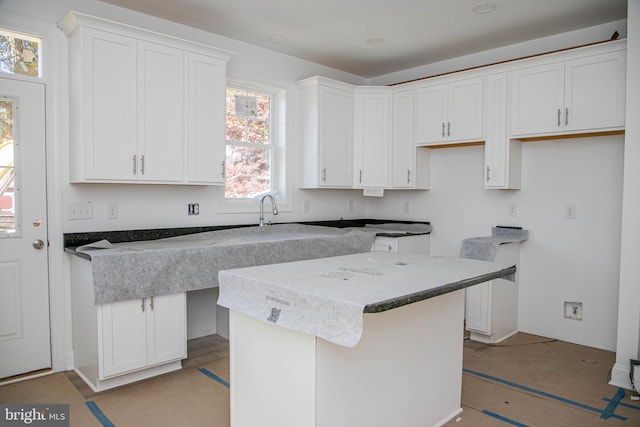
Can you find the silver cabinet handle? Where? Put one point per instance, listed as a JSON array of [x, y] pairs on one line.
[[408, 176], [488, 168], [224, 172], [142, 305], [135, 165], [559, 117], [443, 129], [360, 176], [324, 174], [566, 116], [142, 164], [448, 129]]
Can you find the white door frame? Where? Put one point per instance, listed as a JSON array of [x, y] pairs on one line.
[[54, 56]]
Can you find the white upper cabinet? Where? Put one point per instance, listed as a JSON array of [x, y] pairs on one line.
[[410, 165], [138, 102], [326, 130], [449, 112], [372, 140], [206, 119], [575, 96], [502, 155], [161, 120]]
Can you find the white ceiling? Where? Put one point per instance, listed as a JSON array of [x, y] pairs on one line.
[[416, 32]]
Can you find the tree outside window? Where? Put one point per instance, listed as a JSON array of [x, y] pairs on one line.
[[250, 149], [19, 54]]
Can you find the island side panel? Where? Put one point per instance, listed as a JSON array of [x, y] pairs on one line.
[[272, 374], [405, 371]]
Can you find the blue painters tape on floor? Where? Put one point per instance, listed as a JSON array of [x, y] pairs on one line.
[[613, 404], [95, 410], [626, 405], [541, 393], [214, 376], [505, 419]]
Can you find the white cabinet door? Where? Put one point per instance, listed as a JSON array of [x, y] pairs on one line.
[[431, 114], [595, 92], [403, 147], [206, 119], [122, 337], [537, 95], [372, 138], [410, 165], [166, 328], [139, 333], [502, 156], [478, 308], [464, 121], [161, 113], [449, 113], [326, 131], [104, 107]]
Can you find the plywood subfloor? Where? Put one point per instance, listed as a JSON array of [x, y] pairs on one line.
[[525, 381]]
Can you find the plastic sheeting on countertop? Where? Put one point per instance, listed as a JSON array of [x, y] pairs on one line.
[[485, 248], [327, 297], [159, 267]]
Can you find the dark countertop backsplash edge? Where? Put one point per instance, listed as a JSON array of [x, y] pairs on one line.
[[72, 240]]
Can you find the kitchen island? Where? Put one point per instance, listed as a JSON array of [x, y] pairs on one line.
[[372, 339]]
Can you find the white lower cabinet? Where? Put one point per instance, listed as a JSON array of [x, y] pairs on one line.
[[122, 342], [492, 307]]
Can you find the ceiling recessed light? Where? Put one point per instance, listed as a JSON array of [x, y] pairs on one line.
[[484, 7], [277, 38], [375, 42]]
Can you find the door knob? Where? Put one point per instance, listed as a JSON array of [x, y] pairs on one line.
[[38, 244]]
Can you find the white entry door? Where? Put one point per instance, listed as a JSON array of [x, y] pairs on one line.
[[24, 288]]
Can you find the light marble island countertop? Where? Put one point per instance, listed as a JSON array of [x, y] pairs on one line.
[[327, 297]]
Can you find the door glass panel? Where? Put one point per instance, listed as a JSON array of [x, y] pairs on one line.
[[8, 183], [20, 54]]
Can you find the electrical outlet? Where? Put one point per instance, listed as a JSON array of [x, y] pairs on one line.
[[570, 211], [573, 310], [193, 209], [512, 209], [112, 210]]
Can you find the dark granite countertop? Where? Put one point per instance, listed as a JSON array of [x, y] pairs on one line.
[[73, 240]]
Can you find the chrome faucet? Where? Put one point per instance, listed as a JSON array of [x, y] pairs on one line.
[[273, 205]]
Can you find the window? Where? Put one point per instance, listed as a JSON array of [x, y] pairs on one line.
[[7, 167], [20, 54], [250, 153]]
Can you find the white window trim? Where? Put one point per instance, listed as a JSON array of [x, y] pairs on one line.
[[280, 179]]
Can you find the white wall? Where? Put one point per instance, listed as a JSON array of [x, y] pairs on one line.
[[563, 260]]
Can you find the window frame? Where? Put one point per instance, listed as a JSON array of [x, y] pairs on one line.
[[279, 183]]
